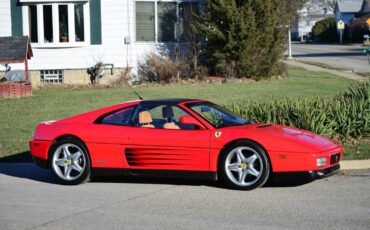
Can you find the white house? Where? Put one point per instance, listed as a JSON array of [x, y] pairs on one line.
[[311, 12], [68, 36]]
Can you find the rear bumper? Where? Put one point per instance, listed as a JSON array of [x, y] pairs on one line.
[[319, 174]]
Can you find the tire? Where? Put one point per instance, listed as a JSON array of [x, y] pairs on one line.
[[70, 162], [244, 165]]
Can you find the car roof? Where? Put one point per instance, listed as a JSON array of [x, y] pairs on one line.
[[171, 101]]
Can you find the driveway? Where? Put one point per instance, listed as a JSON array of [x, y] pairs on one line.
[[339, 56], [30, 200]]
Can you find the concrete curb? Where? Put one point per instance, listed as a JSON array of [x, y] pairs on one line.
[[355, 164]]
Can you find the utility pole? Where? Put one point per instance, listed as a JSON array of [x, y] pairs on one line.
[[289, 45]]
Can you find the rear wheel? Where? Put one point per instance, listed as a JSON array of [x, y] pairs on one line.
[[244, 165], [70, 162]]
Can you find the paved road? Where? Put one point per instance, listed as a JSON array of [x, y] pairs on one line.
[[341, 56], [30, 200]]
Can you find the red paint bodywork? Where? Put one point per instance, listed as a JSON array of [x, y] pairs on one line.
[[289, 149]]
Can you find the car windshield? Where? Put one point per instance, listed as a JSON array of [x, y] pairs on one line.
[[216, 115]]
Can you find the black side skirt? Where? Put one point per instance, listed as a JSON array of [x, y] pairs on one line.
[[201, 175]]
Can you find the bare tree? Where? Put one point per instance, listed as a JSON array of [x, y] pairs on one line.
[[324, 4]]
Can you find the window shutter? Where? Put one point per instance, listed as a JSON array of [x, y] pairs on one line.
[[95, 22], [16, 17]]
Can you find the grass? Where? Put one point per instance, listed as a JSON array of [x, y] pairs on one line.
[[20, 116], [359, 151]]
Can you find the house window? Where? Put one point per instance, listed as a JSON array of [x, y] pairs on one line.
[[145, 22], [167, 21], [57, 23], [63, 23], [51, 76], [79, 23], [32, 13], [48, 23], [187, 10]]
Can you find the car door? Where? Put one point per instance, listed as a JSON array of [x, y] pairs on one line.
[[167, 149], [104, 138]]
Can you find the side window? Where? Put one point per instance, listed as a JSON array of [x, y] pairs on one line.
[[211, 115], [159, 116], [120, 117]]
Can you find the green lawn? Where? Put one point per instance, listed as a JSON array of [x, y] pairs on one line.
[[20, 116]]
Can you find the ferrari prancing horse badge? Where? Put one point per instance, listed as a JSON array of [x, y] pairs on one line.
[[218, 134]]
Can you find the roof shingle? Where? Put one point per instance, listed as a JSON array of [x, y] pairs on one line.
[[14, 49]]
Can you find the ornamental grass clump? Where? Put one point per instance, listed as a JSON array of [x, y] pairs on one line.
[[344, 117]]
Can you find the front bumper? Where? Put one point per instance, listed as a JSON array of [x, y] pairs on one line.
[[319, 174], [304, 162], [39, 151]]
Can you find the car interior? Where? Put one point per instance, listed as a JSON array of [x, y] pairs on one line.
[[162, 116]]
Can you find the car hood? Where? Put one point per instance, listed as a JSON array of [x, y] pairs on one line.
[[284, 138]]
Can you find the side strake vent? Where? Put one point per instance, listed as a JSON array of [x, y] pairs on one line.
[[157, 157], [263, 126]]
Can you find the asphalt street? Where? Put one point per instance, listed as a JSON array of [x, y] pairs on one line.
[[31, 200], [339, 56]]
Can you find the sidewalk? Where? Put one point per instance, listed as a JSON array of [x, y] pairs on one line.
[[321, 69], [355, 164]]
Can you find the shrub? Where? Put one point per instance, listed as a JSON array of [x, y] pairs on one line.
[[357, 29], [343, 117], [123, 78], [245, 38], [162, 68], [325, 30]]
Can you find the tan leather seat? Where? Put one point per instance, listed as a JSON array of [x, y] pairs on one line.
[[167, 113], [145, 120], [171, 125]]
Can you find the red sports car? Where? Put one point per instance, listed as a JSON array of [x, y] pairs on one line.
[[178, 138]]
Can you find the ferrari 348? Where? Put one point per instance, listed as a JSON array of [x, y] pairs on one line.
[[178, 138]]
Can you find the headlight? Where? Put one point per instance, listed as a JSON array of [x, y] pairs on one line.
[[321, 161]]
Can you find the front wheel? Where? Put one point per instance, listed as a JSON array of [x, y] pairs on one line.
[[70, 162], [244, 165]]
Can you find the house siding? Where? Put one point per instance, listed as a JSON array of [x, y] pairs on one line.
[[106, 40], [5, 18], [311, 13]]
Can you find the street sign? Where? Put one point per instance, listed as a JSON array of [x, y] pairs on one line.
[[368, 21], [340, 25]]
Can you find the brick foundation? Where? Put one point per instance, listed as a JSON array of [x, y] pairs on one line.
[[15, 89]]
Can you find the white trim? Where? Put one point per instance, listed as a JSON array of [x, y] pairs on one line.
[[155, 21], [25, 14], [59, 45], [55, 16], [40, 23], [50, 1], [71, 23], [87, 25]]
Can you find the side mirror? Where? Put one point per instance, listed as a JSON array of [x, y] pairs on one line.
[[189, 120]]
